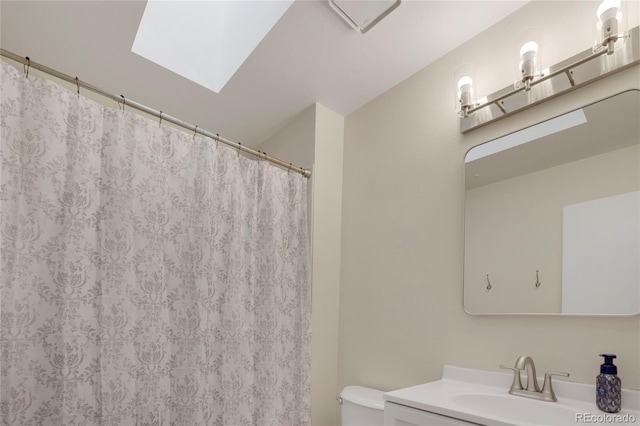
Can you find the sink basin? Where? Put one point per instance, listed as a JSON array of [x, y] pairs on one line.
[[518, 408]]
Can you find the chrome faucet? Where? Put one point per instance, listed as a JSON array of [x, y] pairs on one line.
[[525, 362], [532, 390]]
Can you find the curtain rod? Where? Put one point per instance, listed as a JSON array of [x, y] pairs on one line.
[[161, 115]]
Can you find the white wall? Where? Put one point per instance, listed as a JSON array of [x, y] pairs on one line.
[[327, 218], [296, 141], [315, 139], [401, 314]]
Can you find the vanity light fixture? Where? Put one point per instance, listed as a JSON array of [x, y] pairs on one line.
[[609, 15], [465, 91], [615, 50], [463, 77], [528, 52]]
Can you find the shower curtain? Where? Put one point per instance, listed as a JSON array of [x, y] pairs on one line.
[[149, 277]]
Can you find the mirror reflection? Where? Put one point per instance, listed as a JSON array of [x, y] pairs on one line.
[[552, 215]]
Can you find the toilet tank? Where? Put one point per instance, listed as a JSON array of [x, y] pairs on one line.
[[362, 406]]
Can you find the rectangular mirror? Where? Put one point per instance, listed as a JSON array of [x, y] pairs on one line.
[[552, 215]]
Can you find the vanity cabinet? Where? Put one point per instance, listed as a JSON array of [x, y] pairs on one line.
[[400, 415]]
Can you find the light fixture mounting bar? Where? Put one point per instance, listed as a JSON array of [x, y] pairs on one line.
[[579, 70], [566, 70]]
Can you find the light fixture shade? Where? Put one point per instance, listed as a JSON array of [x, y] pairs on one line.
[[610, 23], [464, 87], [528, 55]]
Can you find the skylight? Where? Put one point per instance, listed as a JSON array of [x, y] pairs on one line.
[[205, 41]]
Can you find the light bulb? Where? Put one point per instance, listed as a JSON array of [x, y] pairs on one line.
[[608, 9], [465, 85], [465, 81], [528, 50], [464, 92]]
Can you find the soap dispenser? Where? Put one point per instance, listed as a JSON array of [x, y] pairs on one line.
[[608, 386]]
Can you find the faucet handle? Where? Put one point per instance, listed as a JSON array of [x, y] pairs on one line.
[[517, 384], [547, 389], [556, 373], [508, 367]]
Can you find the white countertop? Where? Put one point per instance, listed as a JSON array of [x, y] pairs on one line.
[[482, 397]]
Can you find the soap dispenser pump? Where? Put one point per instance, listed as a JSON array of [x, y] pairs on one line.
[[608, 386]]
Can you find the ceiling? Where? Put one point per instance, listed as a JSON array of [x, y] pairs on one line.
[[311, 55]]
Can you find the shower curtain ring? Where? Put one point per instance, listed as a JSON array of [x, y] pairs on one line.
[[195, 130], [26, 69], [239, 148], [78, 86], [160, 122], [217, 139], [123, 102]]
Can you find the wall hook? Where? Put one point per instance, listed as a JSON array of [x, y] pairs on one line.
[[489, 286], [538, 283]]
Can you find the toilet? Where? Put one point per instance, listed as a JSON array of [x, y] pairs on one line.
[[361, 406]]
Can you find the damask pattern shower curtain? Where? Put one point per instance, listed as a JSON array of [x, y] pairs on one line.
[[149, 277]]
